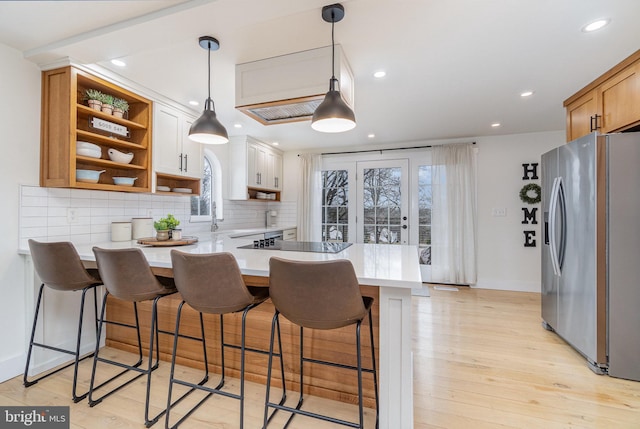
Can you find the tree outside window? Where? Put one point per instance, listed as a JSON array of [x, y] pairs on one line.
[[201, 205], [335, 201]]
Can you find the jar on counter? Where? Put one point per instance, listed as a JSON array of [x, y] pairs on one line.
[[176, 234], [120, 231]]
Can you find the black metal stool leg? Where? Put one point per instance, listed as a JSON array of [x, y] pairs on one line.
[[359, 363]]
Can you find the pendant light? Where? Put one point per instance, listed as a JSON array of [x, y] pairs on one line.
[[333, 115], [207, 129]]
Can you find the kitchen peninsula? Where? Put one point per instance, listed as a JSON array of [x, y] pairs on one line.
[[389, 271]]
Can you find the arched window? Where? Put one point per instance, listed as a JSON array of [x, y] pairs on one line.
[[210, 200]]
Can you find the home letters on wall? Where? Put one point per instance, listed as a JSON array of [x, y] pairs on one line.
[[531, 193]]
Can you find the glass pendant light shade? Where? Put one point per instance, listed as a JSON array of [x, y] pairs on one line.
[[333, 115], [207, 129]]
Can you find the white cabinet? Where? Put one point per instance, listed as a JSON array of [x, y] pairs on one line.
[[290, 234], [174, 152], [253, 166]]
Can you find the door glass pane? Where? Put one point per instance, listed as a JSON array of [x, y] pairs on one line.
[[335, 201], [382, 205], [424, 214]]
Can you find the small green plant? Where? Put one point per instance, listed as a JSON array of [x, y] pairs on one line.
[[107, 99], [165, 223], [119, 103], [92, 94]]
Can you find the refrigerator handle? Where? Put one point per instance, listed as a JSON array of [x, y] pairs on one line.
[[553, 205], [563, 219]]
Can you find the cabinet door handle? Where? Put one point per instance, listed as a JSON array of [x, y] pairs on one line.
[[257, 178], [593, 123], [180, 162], [185, 162], [275, 182]]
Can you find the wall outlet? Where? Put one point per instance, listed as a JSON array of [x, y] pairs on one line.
[[499, 211], [72, 215]]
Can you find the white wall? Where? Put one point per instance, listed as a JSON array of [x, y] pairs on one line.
[[20, 147], [503, 261]]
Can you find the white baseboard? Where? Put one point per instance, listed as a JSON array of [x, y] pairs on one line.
[[12, 367], [516, 286]]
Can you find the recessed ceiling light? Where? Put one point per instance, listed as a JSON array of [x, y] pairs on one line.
[[371, 135], [495, 124], [380, 74], [526, 94], [275, 143], [595, 25], [194, 103], [118, 63], [237, 125]]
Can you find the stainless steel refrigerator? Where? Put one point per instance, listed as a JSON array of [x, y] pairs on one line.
[[591, 249]]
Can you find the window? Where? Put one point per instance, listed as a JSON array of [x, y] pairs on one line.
[[424, 213], [201, 206], [208, 206], [335, 201]]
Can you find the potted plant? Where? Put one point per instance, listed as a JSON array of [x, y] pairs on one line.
[[120, 107], [107, 104], [93, 97], [164, 226]]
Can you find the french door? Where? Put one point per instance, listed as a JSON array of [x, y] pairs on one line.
[[382, 202]]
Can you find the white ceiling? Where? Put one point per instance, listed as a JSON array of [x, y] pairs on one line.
[[453, 67]]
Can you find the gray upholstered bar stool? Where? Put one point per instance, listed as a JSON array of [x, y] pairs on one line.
[[213, 284], [320, 295], [59, 267], [127, 276]]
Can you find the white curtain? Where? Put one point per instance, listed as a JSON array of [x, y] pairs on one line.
[[309, 197], [453, 218]]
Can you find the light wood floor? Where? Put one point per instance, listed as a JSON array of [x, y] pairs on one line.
[[481, 360]]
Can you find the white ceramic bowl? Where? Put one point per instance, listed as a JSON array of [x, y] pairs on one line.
[[89, 152], [163, 188], [87, 145], [121, 157], [88, 176], [124, 181]]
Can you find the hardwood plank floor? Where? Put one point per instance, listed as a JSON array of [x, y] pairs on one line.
[[481, 360]]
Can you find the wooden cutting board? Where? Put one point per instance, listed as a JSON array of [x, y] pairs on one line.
[[152, 241]]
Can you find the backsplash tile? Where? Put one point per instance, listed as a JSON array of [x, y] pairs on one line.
[[44, 213]]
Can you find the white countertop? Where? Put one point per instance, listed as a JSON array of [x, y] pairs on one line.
[[374, 264]]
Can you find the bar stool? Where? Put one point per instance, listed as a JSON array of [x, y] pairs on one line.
[[213, 284], [127, 276], [60, 268], [320, 295]]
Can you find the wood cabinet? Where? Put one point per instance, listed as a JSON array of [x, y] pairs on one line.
[[254, 168], [177, 159], [610, 103], [66, 120]]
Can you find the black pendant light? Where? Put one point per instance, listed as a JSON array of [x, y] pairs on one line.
[[207, 129], [333, 115]]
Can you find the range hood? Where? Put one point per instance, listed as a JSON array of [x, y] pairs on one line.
[[288, 88]]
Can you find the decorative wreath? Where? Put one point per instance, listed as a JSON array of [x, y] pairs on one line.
[[531, 187]]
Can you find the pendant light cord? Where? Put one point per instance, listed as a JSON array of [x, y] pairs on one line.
[[209, 68], [333, 47]]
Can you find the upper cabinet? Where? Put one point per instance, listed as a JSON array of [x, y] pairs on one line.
[[608, 104], [177, 159], [68, 119], [255, 169]]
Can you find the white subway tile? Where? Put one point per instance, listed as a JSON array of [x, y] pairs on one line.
[[58, 231], [80, 193], [33, 211], [59, 201], [100, 238], [57, 212], [33, 191], [57, 221], [79, 229], [99, 195], [34, 202], [33, 232], [59, 192]]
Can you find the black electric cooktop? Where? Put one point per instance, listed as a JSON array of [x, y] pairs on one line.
[[302, 246]]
